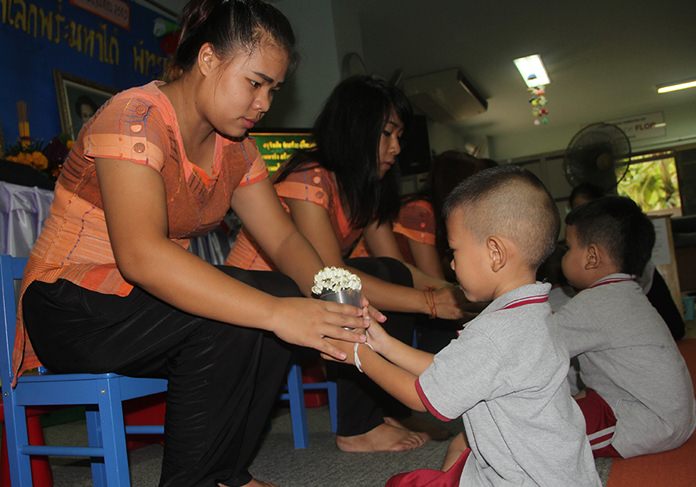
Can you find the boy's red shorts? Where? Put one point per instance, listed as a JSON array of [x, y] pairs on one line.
[[431, 478], [600, 424]]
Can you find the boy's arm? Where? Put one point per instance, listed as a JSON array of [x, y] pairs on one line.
[[403, 356], [396, 381]]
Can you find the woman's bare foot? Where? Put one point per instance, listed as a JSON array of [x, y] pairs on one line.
[[414, 423], [384, 437]]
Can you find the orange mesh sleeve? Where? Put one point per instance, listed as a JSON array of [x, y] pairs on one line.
[[128, 128], [416, 221]]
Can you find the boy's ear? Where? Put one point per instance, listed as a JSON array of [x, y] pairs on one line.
[[593, 257], [497, 252]]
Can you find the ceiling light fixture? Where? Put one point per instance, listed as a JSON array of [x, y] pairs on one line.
[[683, 85], [532, 70]]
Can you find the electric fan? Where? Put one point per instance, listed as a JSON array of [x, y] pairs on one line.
[[597, 154]]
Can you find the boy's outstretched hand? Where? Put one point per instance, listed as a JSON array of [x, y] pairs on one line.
[[370, 313], [378, 338]]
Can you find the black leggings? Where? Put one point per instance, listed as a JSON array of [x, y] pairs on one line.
[[362, 404], [661, 299], [223, 379]]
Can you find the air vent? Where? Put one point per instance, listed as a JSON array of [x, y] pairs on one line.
[[444, 96]]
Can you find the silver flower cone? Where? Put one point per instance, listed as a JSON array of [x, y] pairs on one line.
[[347, 296]]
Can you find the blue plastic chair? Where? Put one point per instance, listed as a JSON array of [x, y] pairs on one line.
[[102, 395], [298, 412]]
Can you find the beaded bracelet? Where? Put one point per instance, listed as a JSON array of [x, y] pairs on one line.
[[356, 359]]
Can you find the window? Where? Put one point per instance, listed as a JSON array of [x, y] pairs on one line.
[[651, 181]]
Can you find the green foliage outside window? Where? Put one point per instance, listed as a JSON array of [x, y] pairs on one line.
[[653, 185]]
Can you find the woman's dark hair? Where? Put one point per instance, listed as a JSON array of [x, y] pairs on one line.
[[347, 133], [229, 25], [84, 100], [587, 190], [447, 170], [619, 225]]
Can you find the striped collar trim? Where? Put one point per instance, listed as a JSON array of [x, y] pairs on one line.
[[540, 298], [612, 279]]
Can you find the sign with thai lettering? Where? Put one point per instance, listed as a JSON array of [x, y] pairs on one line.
[[40, 37], [50, 24], [276, 147]]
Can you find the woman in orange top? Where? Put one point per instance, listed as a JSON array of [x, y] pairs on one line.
[[110, 285], [345, 188]]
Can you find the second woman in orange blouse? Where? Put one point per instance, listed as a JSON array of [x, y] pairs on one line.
[[345, 188]]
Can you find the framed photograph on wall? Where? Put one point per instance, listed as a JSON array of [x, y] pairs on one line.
[[78, 100]]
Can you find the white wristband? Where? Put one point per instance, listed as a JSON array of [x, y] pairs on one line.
[[356, 359]]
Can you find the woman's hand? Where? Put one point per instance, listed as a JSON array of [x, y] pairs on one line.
[[347, 348], [307, 322], [449, 302]]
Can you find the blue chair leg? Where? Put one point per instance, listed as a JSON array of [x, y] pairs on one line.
[[16, 434], [332, 391], [94, 439], [298, 415], [114, 436]]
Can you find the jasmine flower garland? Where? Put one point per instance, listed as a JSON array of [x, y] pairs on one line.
[[334, 279]]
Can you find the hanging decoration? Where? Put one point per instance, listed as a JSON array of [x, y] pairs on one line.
[[538, 102]]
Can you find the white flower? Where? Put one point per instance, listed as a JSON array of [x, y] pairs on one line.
[[333, 279]]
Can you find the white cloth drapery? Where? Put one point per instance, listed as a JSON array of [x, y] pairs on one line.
[[22, 213], [23, 210]]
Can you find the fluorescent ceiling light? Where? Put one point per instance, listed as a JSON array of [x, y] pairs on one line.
[[676, 86], [532, 70]]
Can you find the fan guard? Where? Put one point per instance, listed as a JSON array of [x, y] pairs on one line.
[[598, 154]]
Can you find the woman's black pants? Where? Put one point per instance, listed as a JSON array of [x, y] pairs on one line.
[[362, 404], [223, 380]]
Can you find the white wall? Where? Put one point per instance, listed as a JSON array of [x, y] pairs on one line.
[[300, 100], [325, 32], [444, 137]]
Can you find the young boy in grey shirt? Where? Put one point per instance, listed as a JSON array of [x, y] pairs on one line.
[[638, 398], [504, 375]]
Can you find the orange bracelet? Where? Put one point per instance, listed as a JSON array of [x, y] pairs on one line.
[[430, 301]]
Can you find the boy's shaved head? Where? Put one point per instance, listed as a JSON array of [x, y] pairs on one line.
[[510, 202], [619, 225]]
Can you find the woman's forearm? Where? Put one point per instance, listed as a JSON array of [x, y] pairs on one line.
[[176, 276], [421, 280], [298, 260], [392, 297]]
